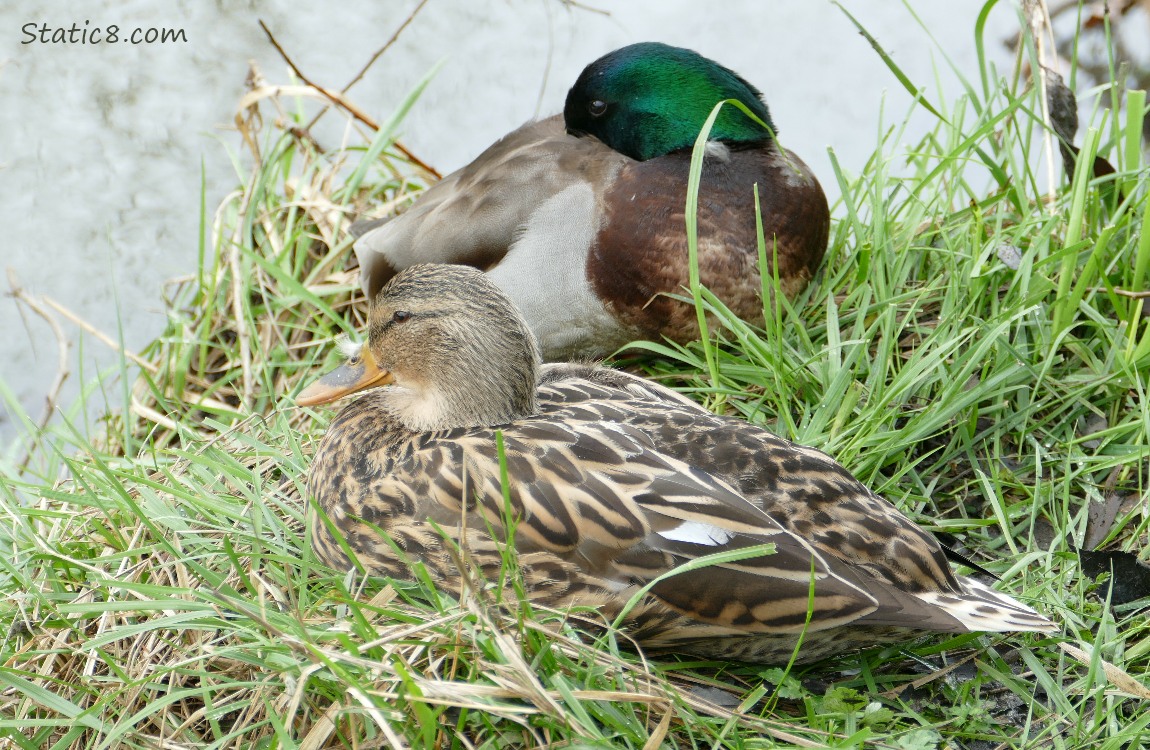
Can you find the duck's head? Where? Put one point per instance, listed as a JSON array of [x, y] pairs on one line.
[[452, 347], [650, 99]]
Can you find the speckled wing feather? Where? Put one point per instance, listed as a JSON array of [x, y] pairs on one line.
[[801, 488], [472, 216]]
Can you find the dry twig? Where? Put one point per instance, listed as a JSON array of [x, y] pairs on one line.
[[62, 345], [1038, 22], [337, 98]]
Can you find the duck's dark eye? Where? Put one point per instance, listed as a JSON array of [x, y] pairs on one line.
[[597, 107], [400, 315]]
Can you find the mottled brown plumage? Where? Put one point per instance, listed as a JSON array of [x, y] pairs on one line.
[[613, 481]]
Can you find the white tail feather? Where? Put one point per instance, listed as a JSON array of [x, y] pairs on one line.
[[982, 609]]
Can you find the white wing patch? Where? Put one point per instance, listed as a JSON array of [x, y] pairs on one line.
[[696, 532]]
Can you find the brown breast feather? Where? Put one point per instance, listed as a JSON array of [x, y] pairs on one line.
[[641, 251]]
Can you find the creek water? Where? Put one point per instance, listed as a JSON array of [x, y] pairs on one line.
[[111, 129]]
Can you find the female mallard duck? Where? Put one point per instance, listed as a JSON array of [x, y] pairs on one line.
[[579, 217], [613, 481]]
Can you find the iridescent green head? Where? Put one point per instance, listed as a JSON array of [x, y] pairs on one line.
[[650, 99]]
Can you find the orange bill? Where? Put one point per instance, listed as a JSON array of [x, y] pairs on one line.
[[358, 373]]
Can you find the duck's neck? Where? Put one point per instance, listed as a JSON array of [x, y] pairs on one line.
[[467, 400], [671, 128]]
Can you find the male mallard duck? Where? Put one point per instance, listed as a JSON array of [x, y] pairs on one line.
[[613, 481], [579, 217]]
